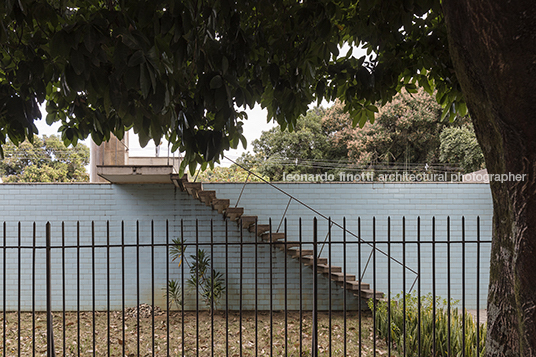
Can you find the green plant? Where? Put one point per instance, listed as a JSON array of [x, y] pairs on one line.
[[208, 282], [174, 293], [392, 319]]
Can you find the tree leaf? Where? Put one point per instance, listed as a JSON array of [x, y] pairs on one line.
[[60, 46], [136, 59], [78, 62], [273, 70], [224, 65], [51, 118], [216, 82], [75, 82], [411, 87], [192, 167], [461, 109], [320, 90], [129, 40], [144, 138], [90, 38], [446, 111], [145, 84]]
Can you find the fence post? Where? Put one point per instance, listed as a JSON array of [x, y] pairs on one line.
[[50, 331], [314, 341]]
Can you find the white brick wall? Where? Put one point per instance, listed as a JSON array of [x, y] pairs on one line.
[[383, 200], [70, 203]]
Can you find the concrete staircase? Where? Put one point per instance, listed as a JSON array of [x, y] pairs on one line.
[[250, 223]]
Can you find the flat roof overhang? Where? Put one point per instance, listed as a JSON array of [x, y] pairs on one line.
[[136, 174]]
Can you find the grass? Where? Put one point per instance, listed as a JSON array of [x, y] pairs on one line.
[[212, 334]]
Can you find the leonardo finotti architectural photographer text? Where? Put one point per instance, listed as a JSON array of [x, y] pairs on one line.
[[369, 176]]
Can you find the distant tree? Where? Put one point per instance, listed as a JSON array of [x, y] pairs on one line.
[[230, 174], [406, 131], [459, 145], [47, 159], [307, 149]]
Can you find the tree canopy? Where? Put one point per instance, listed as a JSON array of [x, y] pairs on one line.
[[459, 145], [306, 149], [186, 70], [44, 159], [408, 134]]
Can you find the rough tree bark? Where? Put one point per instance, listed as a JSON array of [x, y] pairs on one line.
[[493, 47]]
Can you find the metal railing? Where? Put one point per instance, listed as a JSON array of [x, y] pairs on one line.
[[316, 212], [97, 303]]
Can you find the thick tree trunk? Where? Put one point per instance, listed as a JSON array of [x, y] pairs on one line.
[[493, 47]]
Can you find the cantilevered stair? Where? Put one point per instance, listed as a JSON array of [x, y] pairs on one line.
[[305, 256]]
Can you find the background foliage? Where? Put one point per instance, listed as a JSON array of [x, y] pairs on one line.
[[407, 134], [44, 159], [229, 174], [459, 144]]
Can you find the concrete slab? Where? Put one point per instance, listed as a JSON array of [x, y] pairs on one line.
[[136, 174]]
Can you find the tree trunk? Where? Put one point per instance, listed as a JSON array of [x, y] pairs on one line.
[[493, 48]]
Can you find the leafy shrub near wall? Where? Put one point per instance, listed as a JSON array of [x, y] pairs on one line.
[[207, 282], [463, 328]]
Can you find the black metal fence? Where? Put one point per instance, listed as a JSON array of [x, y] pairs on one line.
[[188, 288]]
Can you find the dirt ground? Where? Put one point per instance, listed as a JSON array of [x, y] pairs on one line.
[[213, 335]]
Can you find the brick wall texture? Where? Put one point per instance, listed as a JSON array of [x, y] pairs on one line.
[[95, 215]]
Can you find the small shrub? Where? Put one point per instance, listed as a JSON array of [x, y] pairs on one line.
[[208, 282], [211, 283], [411, 317]]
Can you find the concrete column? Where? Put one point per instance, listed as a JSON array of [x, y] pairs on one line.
[[111, 153]]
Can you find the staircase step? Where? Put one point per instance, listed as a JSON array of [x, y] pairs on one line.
[[274, 236], [338, 276], [308, 260], [248, 221], [179, 180], [324, 268], [193, 188], [287, 245], [370, 294], [356, 285], [206, 197], [294, 249], [295, 253], [261, 228], [220, 204], [234, 213]]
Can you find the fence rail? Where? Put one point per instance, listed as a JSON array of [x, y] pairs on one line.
[[103, 289]]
